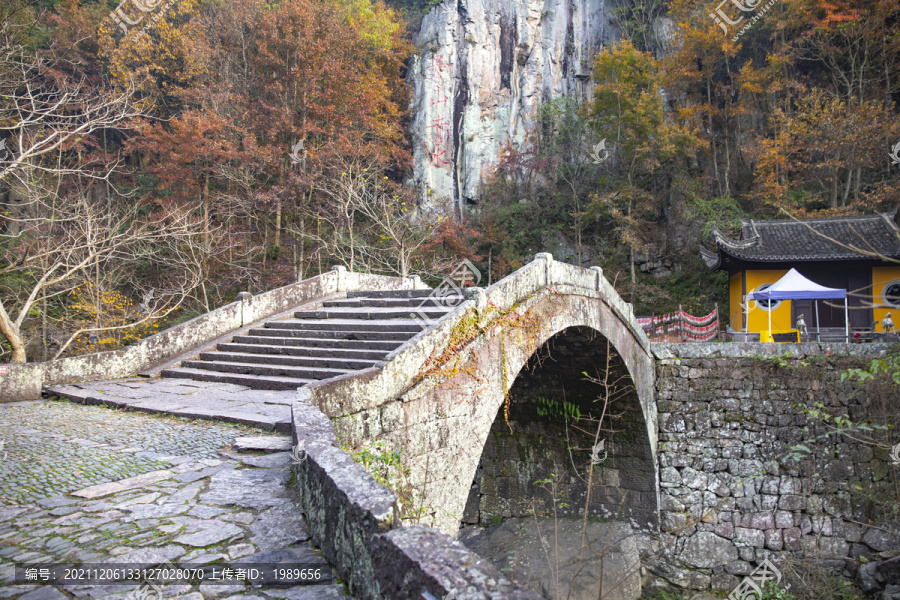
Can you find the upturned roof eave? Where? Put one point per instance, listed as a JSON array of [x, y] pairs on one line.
[[712, 260], [741, 250]]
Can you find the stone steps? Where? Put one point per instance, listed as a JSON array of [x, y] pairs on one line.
[[256, 382], [266, 369], [351, 325], [429, 312], [287, 329], [391, 294], [308, 351], [342, 337], [323, 362], [318, 342], [432, 302]]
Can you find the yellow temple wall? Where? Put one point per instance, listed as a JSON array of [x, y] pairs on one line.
[[880, 277], [757, 318]]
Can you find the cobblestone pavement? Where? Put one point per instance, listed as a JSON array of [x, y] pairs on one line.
[[87, 484], [184, 397]]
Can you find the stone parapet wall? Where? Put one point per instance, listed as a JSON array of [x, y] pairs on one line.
[[25, 381], [664, 351], [728, 415], [355, 521]]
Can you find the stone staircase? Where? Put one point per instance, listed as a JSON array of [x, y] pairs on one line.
[[341, 337]]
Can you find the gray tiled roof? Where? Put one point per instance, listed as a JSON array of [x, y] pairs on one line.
[[807, 240]]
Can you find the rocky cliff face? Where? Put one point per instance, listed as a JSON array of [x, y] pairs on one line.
[[482, 69]]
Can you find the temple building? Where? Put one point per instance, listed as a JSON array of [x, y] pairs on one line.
[[860, 254]]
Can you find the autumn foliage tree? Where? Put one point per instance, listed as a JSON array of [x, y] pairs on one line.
[[799, 109], [627, 111], [825, 147], [222, 94], [239, 87], [64, 222]]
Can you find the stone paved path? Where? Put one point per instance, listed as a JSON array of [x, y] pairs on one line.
[[88, 484], [198, 399]]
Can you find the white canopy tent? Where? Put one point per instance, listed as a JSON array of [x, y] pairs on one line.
[[794, 286]]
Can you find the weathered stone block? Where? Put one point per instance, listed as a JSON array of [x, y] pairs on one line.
[[725, 530], [682, 578], [840, 528], [749, 537], [853, 532], [837, 470], [770, 485], [808, 546], [709, 515], [672, 521], [784, 519], [833, 548], [718, 486], [768, 502], [724, 581], [733, 452], [702, 421], [745, 467], [747, 504], [725, 404], [670, 503], [693, 479], [806, 525], [836, 506], [868, 580], [863, 453], [792, 538], [792, 502], [672, 423], [822, 525], [611, 477], [391, 416], [857, 550], [881, 540], [670, 475], [739, 567], [764, 521]]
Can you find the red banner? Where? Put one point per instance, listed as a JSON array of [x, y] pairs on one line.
[[680, 326]]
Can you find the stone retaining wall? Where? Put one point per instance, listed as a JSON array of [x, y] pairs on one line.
[[355, 521], [728, 413], [25, 381]]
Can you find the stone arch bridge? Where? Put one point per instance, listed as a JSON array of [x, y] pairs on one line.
[[474, 403]]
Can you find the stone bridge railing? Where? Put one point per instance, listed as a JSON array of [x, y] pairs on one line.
[[354, 519], [25, 381]]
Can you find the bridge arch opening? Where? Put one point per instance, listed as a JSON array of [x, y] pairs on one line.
[[572, 384]]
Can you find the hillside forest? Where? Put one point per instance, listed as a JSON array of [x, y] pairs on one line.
[[149, 174]]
